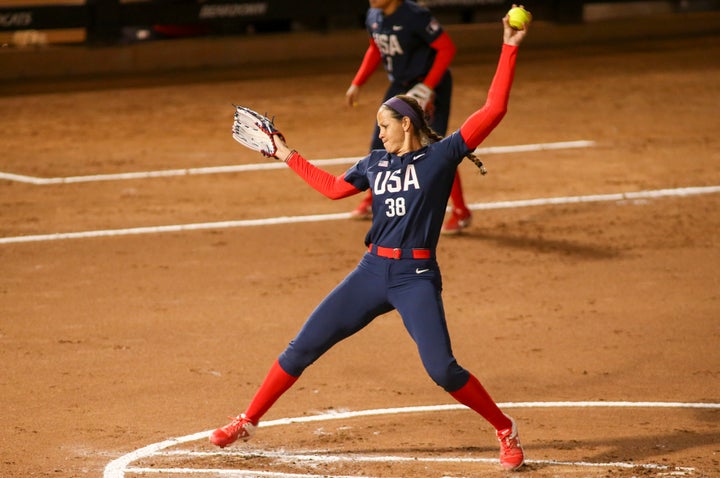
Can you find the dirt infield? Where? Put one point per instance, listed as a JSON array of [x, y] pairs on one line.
[[113, 343]]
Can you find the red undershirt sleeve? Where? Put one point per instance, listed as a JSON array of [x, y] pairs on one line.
[[334, 187], [445, 53], [479, 125], [370, 62]]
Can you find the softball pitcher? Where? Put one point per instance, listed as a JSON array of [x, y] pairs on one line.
[[410, 180], [416, 53]]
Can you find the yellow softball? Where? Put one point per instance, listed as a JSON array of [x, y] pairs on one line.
[[518, 17]]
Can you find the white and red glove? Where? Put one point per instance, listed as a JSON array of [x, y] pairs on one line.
[[423, 95]]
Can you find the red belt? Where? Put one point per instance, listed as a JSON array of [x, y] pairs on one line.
[[397, 253]]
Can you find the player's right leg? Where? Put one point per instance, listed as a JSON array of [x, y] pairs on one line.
[[353, 304]]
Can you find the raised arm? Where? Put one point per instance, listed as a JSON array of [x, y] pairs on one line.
[[479, 124]]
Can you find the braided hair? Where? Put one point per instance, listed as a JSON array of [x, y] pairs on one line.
[[427, 134]]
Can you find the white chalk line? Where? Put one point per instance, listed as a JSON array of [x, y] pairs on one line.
[[118, 467], [266, 166], [238, 473], [624, 196], [323, 456]]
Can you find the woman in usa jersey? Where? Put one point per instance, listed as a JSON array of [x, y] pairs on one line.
[[411, 181], [416, 53]]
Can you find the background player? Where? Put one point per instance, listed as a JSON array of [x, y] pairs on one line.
[[416, 53], [411, 181]]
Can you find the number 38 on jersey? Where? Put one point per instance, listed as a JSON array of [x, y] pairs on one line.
[[395, 182]]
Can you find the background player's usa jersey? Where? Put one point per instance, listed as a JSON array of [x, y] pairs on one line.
[[410, 192], [404, 40]]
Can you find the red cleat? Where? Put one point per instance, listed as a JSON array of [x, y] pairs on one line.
[[459, 220], [511, 452], [239, 427]]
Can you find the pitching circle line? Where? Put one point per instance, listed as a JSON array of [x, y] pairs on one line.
[[118, 467]]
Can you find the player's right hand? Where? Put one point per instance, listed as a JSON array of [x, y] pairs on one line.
[[352, 95]]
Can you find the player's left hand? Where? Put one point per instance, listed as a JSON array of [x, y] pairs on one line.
[[423, 94], [510, 35], [258, 132], [283, 151]]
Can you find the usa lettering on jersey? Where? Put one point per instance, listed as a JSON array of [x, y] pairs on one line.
[[395, 181], [389, 45]]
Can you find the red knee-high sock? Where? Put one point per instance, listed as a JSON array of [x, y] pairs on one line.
[[277, 382], [367, 200], [474, 396], [456, 194]]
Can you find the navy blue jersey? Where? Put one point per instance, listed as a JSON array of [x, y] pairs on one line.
[[410, 192], [404, 39]]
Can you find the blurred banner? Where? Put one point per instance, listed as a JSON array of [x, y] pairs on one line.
[[109, 21], [107, 18]]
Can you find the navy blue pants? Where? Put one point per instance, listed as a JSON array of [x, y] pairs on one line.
[[377, 286]]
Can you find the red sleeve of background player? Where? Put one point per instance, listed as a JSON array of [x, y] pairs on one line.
[[370, 62], [445, 49], [479, 125], [334, 187]]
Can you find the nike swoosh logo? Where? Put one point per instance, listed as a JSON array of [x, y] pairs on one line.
[[397, 28], [418, 156], [420, 271]]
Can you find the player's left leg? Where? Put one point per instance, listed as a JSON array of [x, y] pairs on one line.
[[474, 396], [419, 303], [421, 308], [416, 296]]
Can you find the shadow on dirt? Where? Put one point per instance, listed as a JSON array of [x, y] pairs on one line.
[[548, 246]]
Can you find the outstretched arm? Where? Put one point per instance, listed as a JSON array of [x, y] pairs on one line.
[[479, 125], [333, 187]]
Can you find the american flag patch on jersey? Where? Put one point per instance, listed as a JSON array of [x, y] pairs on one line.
[[383, 163]]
